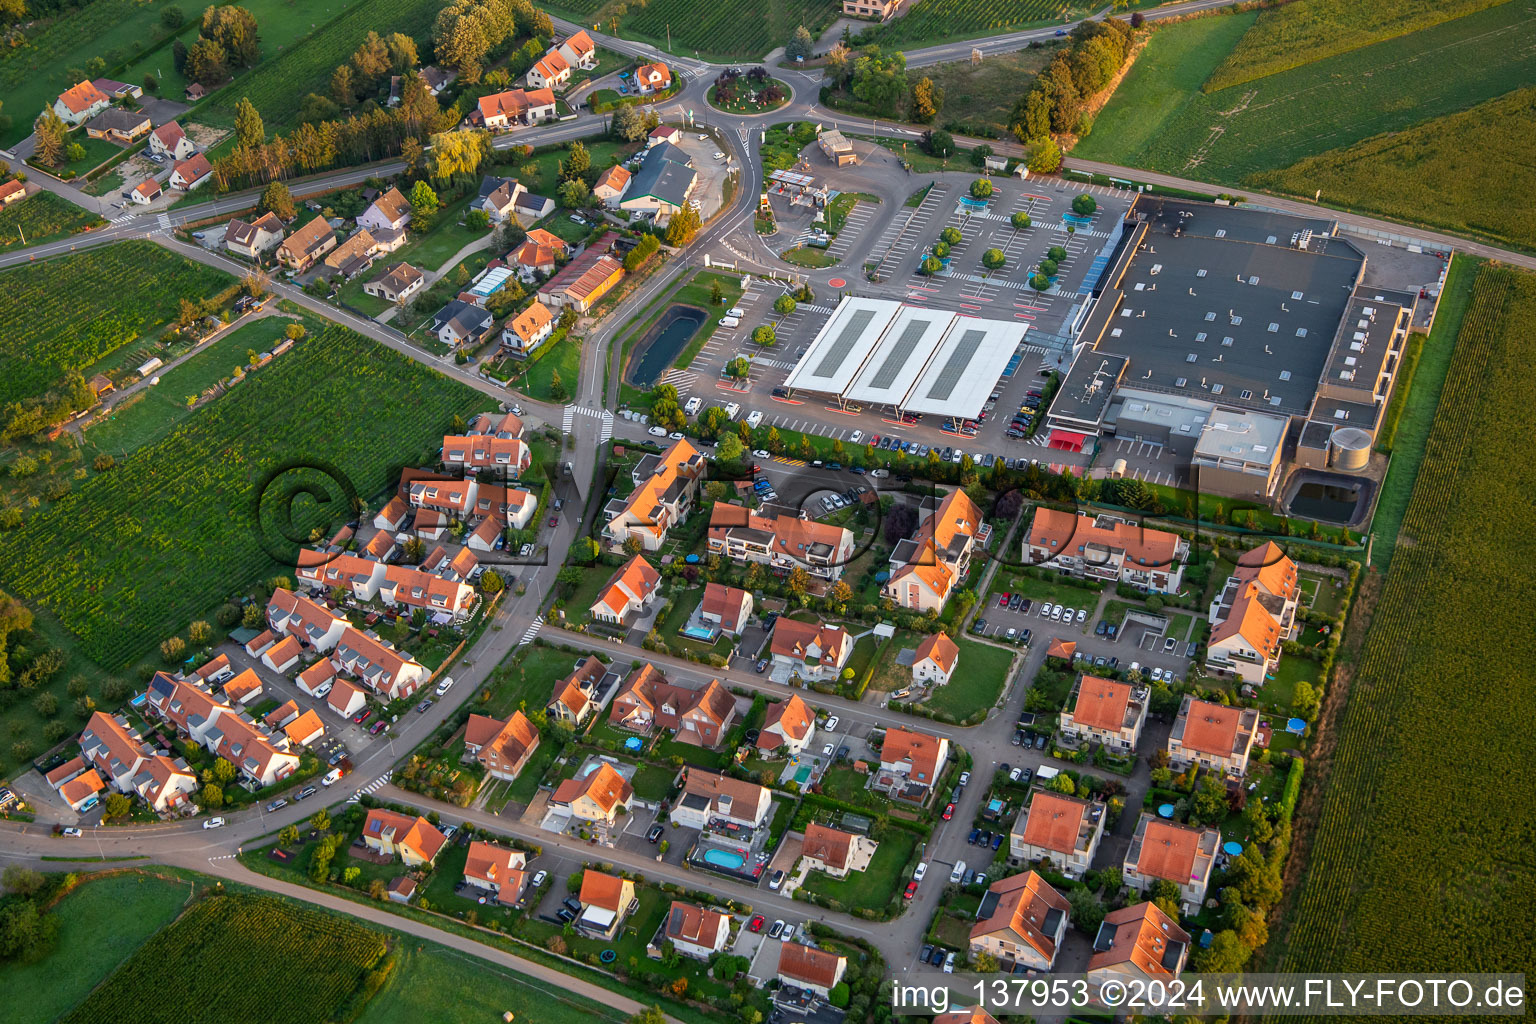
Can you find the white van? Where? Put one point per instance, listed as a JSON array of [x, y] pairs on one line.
[[736, 311], [692, 407], [1045, 773], [444, 686], [958, 873], [730, 321], [330, 777], [753, 419]]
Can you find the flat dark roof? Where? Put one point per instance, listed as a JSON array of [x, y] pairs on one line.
[[1088, 386]]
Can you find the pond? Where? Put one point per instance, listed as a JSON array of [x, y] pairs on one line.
[[662, 344], [1331, 503]]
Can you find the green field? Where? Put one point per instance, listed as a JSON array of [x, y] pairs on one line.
[[974, 687], [239, 958], [101, 923], [147, 419], [1165, 77], [441, 985], [132, 555], [1380, 893], [737, 29], [1428, 174], [934, 21], [42, 218], [1274, 122], [984, 94], [65, 315], [1306, 30]]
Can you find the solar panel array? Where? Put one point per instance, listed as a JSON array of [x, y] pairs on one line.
[[954, 366], [846, 339], [900, 351]]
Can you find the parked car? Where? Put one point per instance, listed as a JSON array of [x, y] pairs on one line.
[[1170, 644], [214, 823], [1040, 741], [378, 727], [538, 879], [444, 686], [776, 881], [949, 811], [1101, 628], [911, 891], [789, 933], [654, 834], [957, 873], [756, 924], [565, 915], [949, 963], [71, 833], [572, 904], [1013, 776], [1024, 607], [975, 835], [925, 953], [776, 930], [762, 663], [424, 705], [362, 716], [831, 725], [922, 869], [997, 842], [1002, 602], [305, 793], [965, 778], [938, 955], [277, 804], [1082, 616]]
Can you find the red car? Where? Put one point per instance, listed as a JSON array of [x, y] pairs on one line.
[[554, 520], [378, 727], [757, 924], [911, 890], [949, 811], [362, 716], [1002, 602]]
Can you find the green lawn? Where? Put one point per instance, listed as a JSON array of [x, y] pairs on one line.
[[441, 985], [983, 94], [839, 209], [100, 924], [526, 785], [540, 172], [651, 781], [561, 354], [527, 679], [982, 673], [741, 102], [806, 256], [872, 888]]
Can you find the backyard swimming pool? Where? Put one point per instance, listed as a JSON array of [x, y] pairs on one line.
[[729, 859], [662, 344]]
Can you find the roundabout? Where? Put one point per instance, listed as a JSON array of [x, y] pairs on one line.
[[748, 93]]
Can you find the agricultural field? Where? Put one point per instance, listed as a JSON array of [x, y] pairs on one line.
[[1165, 77], [239, 958], [65, 315], [1307, 30], [101, 922], [738, 29], [1227, 136], [42, 218], [1380, 892], [133, 555], [935, 21], [438, 984], [1428, 175]]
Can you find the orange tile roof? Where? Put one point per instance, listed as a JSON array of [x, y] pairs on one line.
[[1269, 567], [1143, 935], [551, 64], [1068, 533], [656, 75], [1101, 703], [82, 786], [1168, 851], [615, 177], [194, 168], [169, 134], [581, 43], [828, 845], [689, 922], [1059, 648], [69, 768], [793, 718], [728, 603], [1249, 619], [1211, 728], [530, 321], [637, 577], [392, 204], [941, 649], [414, 834], [605, 787], [82, 97], [247, 682], [491, 862], [918, 748], [792, 639], [304, 728], [1054, 822], [1024, 901], [801, 963], [602, 890], [307, 238]]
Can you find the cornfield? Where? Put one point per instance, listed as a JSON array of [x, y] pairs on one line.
[[64, 315], [1422, 858], [131, 556], [238, 958]]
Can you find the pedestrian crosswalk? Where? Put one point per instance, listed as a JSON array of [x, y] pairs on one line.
[[568, 417], [382, 780], [606, 432], [164, 220], [682, 380], [531, 632], [122, 218]]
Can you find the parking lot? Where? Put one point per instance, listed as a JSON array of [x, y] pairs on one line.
[[1140, 638]]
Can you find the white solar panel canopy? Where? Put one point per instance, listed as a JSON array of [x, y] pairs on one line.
[[895, 365], [842, 345], [960, 376]]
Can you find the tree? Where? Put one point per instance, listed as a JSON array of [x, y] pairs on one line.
[[993, 259], [172, 18], [233, 29], [1209, 805], [1048, 268], [577, 162], [764, 336], [632, 546], [1043, 155], [289, 835], [402, 52], [48, 133], [249, 131], [424, 201], [981, 188], [941, 250], [951, 235], [343, 86], [74, 152], [457, 155], [643, 250], [938, 142], [1307, 700], [650, 1015], [1084, 205], [1225, 955], [558, 392], [320, 821], [926, 101], [930, 265], [224, 771], [172, 649], [574, 193], [739, 367], [628, 125], [211, 796], [207, 62], [784, 305], [1062, 784], [880, 80], [27, 933], [1040, 282], [491, 582], [683, 226], [731, 449], [800, 43], [900, 522], [118, 807], [798, 581], [23, 881], [46, 704]]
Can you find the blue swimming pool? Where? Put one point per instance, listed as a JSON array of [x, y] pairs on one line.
[[725, 859], [704, 633]]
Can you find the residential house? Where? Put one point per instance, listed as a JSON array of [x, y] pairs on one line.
[[652, 78], [281, 715], [813, 969], [719, 801], [600, 797], [80, 103], [631, 590], [835, 852], [299, 251], [146, 192], [414, 840], [575, 696], [729, 608], [1212, 736], [260, 755], [393, 514], [1164, 851], [387, 672], [165, 784], [537, 254], [115, 124], [390, 212], [696, 931], [1021, 922], [663, 183], [881, 10], [345, 699], [528, 330], [1060, 830], [1107, 549], [611, 186], [790, 724], [583, 282], [171, 142], [509, 505], [647, 701], [814, 651], [781, 540], [669, 133], [1105, 711], [510, 456], [1137, 942], [317, 679], [260, 642], [215, 670], [245, 687], [935, 660], [191, 173], [496, 871], [514, 108], [549, 71], [410, 586], [606, 900], [579, 51], [461, 323], [354, 255], [501, 748], [401, 889], [295, 615], [911, 763], [1254, 615], [305, 729], [81, 793], [252, 238], [928, 566], [118, 90], [437, 79], [397, 283], [324, 571], [666, 487]]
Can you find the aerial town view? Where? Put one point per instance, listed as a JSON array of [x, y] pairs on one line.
[[805, 512]]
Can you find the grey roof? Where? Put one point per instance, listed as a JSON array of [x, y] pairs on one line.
[[465, 317], [662, 177], [117, 118]]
